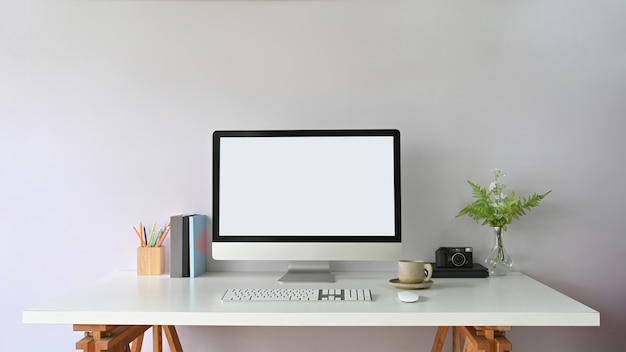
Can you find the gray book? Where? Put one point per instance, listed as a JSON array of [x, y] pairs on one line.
[[179, 246]]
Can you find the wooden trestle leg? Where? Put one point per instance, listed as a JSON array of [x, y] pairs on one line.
[[440, 338], [474, 339], [124, 338]]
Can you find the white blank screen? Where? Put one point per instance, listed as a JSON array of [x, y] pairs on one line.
[[307, 186]]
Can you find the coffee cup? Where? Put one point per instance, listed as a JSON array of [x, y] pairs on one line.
[[413, 271]]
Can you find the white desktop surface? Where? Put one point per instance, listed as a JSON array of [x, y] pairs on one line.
[[127, 299]]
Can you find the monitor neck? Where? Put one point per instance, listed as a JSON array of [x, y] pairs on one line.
[[308, 271]]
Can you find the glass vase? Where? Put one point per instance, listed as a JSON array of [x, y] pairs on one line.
[[499, 262]]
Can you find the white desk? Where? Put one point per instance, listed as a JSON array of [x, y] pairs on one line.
[[127, 299]]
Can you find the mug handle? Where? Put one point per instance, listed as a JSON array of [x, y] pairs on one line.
[[428, 268]]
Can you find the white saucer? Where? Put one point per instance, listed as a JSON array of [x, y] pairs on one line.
[[418, 286]]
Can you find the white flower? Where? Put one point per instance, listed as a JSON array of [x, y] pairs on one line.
[[497, 172], [496, 186]]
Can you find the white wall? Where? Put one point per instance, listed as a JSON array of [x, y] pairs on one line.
[[106, 110]]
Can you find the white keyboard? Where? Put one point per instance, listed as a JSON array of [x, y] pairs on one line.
[[297, 294]]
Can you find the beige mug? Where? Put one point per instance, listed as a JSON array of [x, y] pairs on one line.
[[412, 271]]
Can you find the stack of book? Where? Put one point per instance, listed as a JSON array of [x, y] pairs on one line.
[[188, 245]]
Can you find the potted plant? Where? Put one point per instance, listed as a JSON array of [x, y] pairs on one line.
[[495, 208]]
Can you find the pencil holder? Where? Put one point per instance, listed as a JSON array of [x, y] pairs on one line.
[[150, 260]]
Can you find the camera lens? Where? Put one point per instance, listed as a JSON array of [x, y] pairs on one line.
[[458, 259]]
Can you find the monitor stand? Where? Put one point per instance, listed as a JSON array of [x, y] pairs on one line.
[[308, 271]]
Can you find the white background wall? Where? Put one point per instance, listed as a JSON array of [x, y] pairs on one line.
[[107, 107]]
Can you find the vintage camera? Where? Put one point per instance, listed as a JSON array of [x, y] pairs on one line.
[[454, 257]]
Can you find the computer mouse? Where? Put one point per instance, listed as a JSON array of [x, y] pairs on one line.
[[408, 296]]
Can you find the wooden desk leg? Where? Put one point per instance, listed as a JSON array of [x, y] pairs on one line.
[[121, 337], [496, 336], [110, 337], [93, 333], [172, 338], [490, 336], [137, 344], [472, 342], [157, 338], [170, 334], [116, 338], [86, 344], [456, 340], [440, 338], [503, 344]]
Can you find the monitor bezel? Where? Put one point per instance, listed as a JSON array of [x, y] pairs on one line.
[[217, 137]]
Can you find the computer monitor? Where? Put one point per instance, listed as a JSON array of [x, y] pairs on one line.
[[306, 196]]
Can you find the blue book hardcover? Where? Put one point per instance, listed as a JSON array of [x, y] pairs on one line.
[[197, 245]]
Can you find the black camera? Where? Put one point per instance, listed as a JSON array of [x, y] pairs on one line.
[[454, 257]]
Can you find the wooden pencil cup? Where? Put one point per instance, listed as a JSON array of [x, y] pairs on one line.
[[150, 260]]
